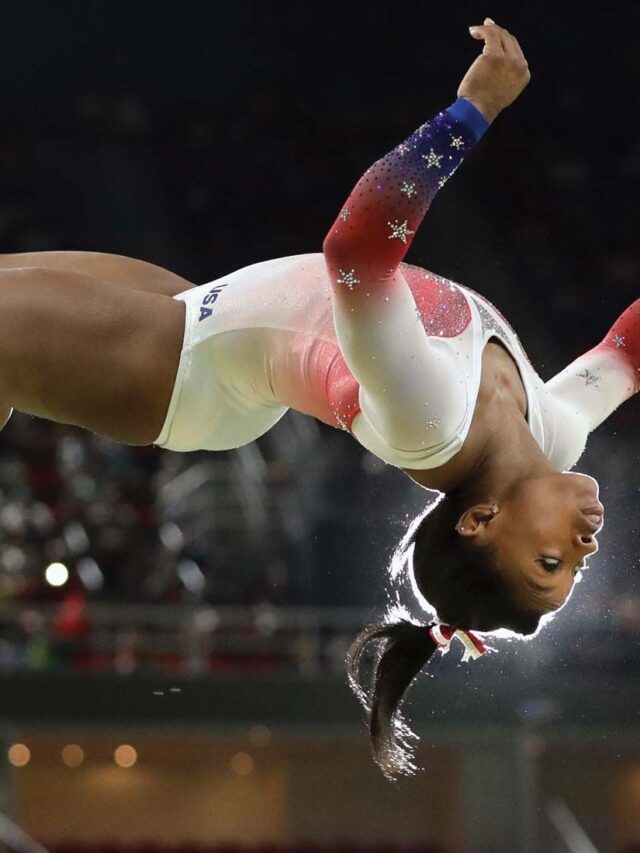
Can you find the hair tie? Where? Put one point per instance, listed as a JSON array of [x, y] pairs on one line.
[[442, 634]]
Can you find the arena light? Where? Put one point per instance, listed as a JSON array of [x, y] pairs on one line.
[[259, 735], [41, 517], [125, 756], [90, 574], [191, 576], [13, 559], [19, 755], [57, 574], [75, 537], [205, 619], [171, 536], [72, 755], [12, 518], [242, 764]]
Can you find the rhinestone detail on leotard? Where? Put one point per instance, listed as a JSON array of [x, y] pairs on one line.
[[489, 323]]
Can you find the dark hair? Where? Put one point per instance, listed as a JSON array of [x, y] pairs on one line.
[[456, 579]]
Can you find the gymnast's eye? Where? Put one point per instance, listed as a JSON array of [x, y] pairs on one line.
[[550, 564]]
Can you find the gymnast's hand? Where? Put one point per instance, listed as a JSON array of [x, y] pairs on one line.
[[498, 75]]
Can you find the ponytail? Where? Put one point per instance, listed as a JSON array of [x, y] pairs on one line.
[[403, 649]]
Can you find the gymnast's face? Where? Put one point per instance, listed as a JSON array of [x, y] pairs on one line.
[[542, 535]]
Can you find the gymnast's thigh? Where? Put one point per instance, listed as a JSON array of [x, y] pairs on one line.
[[78, 350], [115, 269]]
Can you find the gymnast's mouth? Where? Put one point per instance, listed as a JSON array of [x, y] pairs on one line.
[[594, 515]]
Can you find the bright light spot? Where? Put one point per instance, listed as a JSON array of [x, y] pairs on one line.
[[72, 755], [19, 754], [259, 735], [242, 764], [57, 574], [125, 756]]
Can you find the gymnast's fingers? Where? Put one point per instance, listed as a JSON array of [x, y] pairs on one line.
[[515, 53], [506, 38], [512, 50], [491, 37], [510, 45]]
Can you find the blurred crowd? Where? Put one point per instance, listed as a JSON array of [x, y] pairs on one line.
[[548, 238]]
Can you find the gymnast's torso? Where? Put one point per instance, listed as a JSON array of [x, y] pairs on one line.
[[262, 339]]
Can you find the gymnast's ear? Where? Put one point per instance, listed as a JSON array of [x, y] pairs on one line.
[[474, 520]]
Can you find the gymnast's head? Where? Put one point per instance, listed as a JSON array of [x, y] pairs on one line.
[[537, 538], [478, 566]]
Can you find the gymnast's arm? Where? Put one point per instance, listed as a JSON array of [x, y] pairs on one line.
[[380, 333], [589, 389]]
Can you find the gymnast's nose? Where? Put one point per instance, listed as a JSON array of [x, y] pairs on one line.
[[586, 544]]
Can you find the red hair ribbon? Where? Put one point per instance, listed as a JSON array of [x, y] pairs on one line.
[[442, 634]]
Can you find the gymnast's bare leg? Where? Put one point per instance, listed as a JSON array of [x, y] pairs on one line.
[[116, 269], [78, 349]]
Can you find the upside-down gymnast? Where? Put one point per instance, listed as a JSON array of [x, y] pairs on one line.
[[423, 372]]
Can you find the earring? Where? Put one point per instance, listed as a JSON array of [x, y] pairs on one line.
[[495, 509]]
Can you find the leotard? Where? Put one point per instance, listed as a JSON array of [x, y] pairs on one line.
[[363, 341]]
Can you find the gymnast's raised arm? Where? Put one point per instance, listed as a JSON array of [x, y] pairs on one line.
[[383, 342]]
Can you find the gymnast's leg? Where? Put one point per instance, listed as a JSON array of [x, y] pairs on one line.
[[117, 269], [78, 350]]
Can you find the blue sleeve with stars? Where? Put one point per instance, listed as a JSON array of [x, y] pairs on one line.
[[378, 327], [375, 228]]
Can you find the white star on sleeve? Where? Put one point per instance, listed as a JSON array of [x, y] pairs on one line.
[[348, 277], [399, 231], [432, 159]]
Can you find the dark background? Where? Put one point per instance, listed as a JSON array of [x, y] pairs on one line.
[[207, 136]]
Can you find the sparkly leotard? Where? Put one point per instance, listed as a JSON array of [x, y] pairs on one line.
[[363, 341]]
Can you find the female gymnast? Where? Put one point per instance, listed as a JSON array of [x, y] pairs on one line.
[[423, 372]]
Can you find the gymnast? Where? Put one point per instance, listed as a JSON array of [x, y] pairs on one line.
[[423, 372]]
